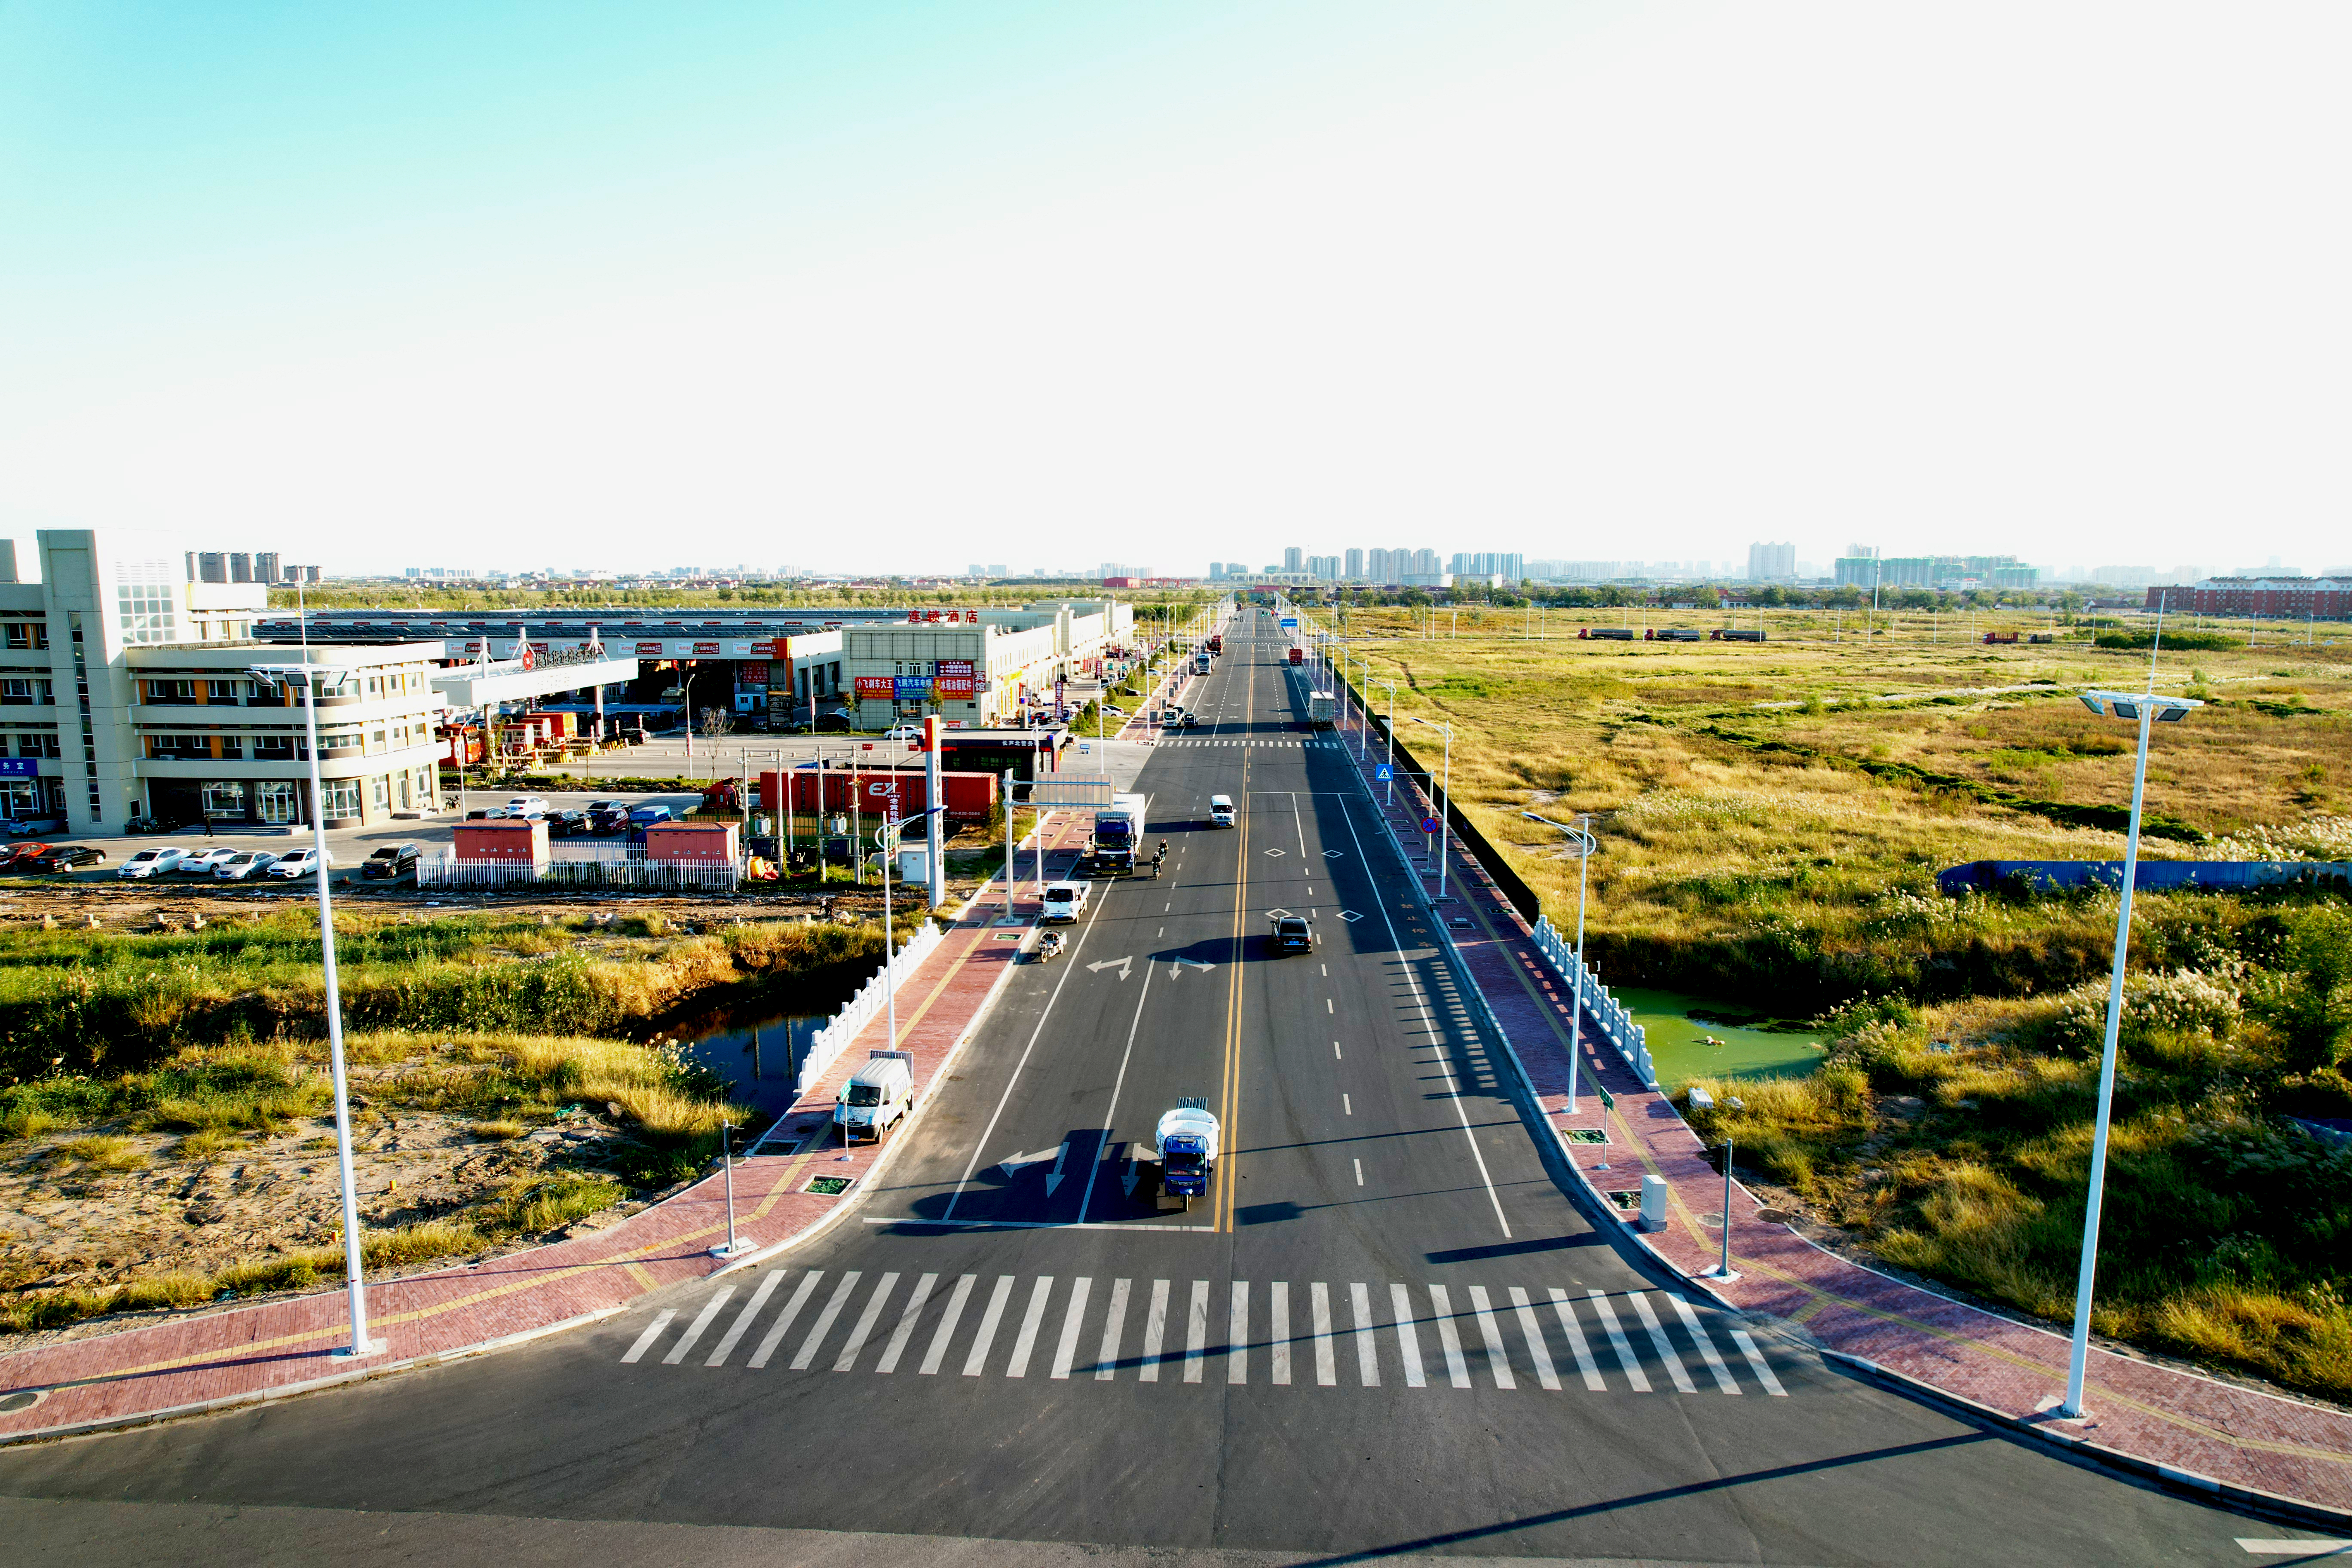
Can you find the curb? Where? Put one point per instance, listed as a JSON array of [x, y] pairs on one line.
[[263, 1395], [2083, 1450]]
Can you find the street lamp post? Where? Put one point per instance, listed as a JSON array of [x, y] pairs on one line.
[[686, 694], [1583, 845], [1445, 801], [308, 678], [2148, 709], [886, 839]]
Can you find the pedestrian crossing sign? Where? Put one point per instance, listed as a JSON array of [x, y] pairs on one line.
[[1383, 774]]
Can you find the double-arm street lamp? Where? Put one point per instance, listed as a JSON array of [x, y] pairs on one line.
[[311, 679], [1445, 802], [1583, 845], [886, 839], [2148, 709]]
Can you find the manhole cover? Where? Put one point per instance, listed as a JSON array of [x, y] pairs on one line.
[[829, 1186]]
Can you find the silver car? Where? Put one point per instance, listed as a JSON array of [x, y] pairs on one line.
[[243, 864], [154, 861]]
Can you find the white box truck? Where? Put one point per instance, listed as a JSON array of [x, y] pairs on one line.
[[1118, 834]]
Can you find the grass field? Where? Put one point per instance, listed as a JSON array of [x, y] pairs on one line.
[[100, 1003], [1771, 819]]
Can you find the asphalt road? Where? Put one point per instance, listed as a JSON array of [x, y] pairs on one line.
[[1387, 1331]]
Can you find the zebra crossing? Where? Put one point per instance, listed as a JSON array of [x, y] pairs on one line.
[[1293, 744], [1187, 1332]]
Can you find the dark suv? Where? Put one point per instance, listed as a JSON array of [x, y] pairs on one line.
[[391, 862]]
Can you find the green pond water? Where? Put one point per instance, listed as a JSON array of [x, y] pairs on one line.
[[1679, 1051]]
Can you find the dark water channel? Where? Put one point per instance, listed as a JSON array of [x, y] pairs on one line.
[[759, 1057]]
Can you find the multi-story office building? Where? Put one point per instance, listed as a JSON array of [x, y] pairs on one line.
[[1291, 561], [1771, 562], [125, 691], [1353, 571], [1323, 566], [981, 668]]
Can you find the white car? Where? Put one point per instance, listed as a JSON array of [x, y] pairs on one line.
[[297, 863], [202, 864], [904, 732], [1114, 708], [152, 862], [243, 864], [527, 805], [1064, 900]]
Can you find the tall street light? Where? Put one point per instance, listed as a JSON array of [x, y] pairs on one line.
[[1445, 806], [2148, 709], [1583, 845], [886, 839], [311, 679]]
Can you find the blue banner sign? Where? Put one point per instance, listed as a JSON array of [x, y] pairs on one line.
[[20, 767]]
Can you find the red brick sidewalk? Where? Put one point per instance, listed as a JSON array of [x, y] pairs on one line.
[[2178, 1421], [241, 1354]]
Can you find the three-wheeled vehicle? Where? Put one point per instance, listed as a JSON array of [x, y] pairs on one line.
[[1181, 1159]]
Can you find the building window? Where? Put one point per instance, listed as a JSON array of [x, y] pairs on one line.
[[232, 746], [36, 746], [379, 791], [278, 801], [225, 797], [23, 798], [22, 690], [177, 748], [342, 797], [146, 611], [377, 739], [28, 635], [225, 691], [170, 692], [273, 748], [403, 791]]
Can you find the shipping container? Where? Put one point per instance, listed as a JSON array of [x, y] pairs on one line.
[[970, 798]]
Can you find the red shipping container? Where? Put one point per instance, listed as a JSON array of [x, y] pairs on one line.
[[970, 797]]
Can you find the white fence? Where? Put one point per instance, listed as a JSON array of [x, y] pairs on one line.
[[1616, 1025], [614, 870], [830, 1041]]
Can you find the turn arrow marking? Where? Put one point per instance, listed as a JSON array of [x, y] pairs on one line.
[[1054, 1177], [1177, 966], [1119, 963], [1012, 1166]]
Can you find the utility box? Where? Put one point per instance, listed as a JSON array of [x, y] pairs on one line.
[[503, 842], [914, 864], [1654, 1203]]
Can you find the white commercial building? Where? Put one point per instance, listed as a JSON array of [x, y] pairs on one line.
[[977, 668], [125, 692]]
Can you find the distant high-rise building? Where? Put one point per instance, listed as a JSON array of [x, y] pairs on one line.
[[1325, 566], [413, 572], [1291, 558], [1354, 571], [1376, 565], [212, 566], [1425, 564], [265, 567], [973, 571], [996, 570], [1770, 562], [311, 573]]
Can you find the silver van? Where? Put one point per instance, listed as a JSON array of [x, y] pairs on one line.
[[877, 1095], [1220, 811]]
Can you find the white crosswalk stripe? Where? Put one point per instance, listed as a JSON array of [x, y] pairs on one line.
[[1463, 1327]]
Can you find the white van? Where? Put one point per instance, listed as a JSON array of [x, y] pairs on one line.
[[1220, 811], [1064, 900], [877, 1095]]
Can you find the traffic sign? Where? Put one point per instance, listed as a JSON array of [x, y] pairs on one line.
[[1429, 825], [1383, 774]]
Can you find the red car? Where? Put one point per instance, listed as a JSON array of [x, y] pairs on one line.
[[19, 856]]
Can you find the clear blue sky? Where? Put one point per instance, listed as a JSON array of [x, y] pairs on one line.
[[909, 286]]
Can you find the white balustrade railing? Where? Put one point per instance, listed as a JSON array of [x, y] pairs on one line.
[[830, 1041], [1607, 1014]]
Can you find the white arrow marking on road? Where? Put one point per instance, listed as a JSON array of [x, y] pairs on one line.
[[1177, 966], [1129, 1177], [1012, 1167], [1119, 963], [1054, 1176]]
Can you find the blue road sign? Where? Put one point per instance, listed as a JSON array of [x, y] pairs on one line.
[[1383, 774], [1429, 825], [1291, 621]]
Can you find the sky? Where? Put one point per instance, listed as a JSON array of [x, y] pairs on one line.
[[906, 287]]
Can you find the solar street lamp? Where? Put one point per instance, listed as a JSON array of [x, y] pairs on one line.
[[314, 680], [1583, 845], [2147, 709]]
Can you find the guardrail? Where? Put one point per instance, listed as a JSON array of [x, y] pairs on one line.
[[1616, 1025], [830, 1041]]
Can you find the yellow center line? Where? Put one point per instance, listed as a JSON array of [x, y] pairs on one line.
[[1222, 1207]]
